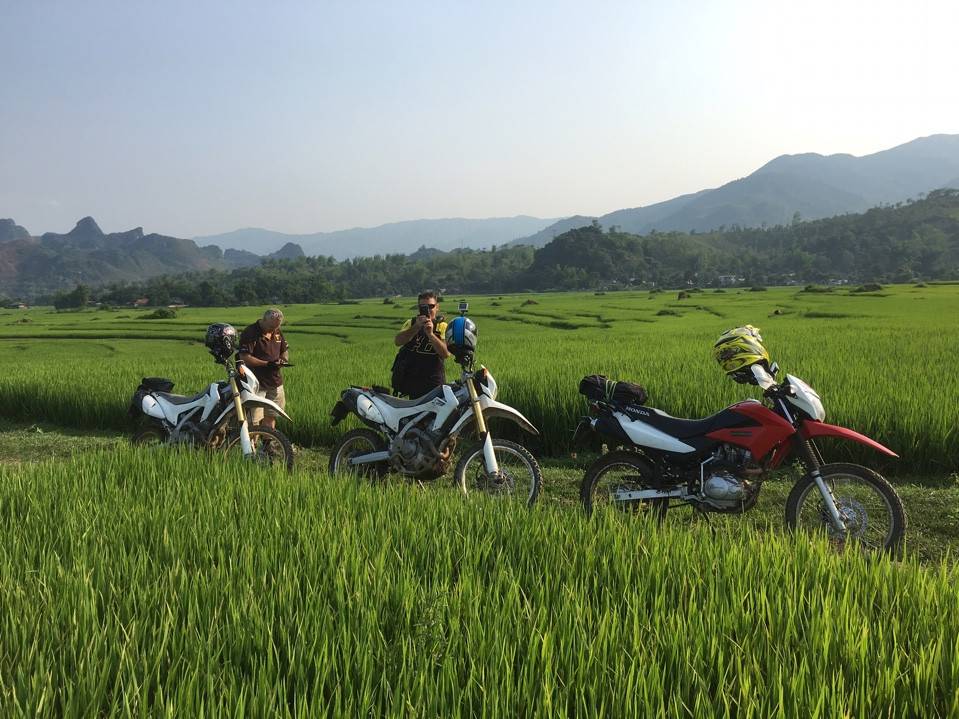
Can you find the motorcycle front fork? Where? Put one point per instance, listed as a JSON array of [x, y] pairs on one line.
[[245, 442], [489, 456], [812, 459]]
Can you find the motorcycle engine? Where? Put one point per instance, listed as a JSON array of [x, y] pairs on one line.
[[724, 487], [414, 452], [728, 488]]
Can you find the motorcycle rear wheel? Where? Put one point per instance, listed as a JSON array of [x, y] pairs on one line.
[[149, 435], [354, 443], [872, 510], [619, 470]]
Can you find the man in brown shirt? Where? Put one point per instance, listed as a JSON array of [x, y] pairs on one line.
[[264, 350]]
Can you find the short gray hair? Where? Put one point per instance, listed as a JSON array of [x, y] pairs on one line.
[[273, 314]]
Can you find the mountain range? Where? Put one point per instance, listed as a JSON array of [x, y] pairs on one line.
[[31, 266], [813, 185], [391, 238]]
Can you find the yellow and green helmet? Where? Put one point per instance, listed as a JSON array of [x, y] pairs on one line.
[[740, 348]]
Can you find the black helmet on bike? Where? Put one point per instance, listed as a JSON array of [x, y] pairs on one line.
[[221, 340]]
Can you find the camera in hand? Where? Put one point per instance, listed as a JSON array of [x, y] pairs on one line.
[[424, 310]]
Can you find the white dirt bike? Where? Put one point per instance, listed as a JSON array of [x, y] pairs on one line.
[[416, 438], [215, 418]]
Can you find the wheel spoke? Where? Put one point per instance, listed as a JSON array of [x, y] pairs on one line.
[[268, 448], [355, 446], [516, 479], [865, 510], [619, 476]]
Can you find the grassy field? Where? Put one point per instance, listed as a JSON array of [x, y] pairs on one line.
[[174, 583], [883, 361], [164, 583]]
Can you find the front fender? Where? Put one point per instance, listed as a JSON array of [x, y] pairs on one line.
[[492, 409], [811, 430], [251, 399]]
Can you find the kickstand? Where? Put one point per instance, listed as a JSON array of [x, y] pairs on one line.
[[703, 514]]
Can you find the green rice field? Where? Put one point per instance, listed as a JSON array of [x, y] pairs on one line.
[[151, 583], [884, 362], [162, 582]]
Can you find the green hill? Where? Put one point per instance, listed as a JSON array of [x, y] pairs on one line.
[[900, 243]]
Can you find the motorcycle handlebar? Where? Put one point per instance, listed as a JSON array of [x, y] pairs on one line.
[[779, 390]]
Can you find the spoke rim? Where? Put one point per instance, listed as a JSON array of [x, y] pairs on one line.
[[601, 492], [477, 479], [864, 509], [268, 451], [342, 461]]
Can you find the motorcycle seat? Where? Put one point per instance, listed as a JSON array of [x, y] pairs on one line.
[[679, 427], [179, 398], [401, 403]]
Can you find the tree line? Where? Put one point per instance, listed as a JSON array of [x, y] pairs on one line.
[[896, 243]]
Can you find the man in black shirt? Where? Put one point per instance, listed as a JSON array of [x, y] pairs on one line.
[[418, 367], [264, 350]]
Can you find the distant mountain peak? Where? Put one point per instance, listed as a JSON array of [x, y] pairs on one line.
[[289, 251], [87, 226], [10, 230]]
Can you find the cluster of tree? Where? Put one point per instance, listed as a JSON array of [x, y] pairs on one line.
[[78, 297], [916, 240], [323, 279], [895, 243]]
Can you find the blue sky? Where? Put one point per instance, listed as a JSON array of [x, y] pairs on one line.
[[196, 118]]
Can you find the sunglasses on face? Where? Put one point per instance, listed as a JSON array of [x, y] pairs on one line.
[[432, 307]]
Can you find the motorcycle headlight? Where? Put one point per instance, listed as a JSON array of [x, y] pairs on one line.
[[249, 382], [806, 398], [487, 383]]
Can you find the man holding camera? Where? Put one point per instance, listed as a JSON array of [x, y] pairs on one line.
[[263, 350], [418, 367]]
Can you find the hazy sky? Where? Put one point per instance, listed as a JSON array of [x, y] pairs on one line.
[[194, 117]]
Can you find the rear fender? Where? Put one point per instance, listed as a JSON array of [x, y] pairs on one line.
[[811, 430], [345, 405]]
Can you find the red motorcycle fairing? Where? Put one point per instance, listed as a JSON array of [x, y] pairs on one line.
[[811, 429], [769, 431]]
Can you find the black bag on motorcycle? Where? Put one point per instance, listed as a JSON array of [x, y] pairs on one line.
[[599, 388]]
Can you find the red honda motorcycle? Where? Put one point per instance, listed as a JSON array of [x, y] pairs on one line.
[[718, 464]]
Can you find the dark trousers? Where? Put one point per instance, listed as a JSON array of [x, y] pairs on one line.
[[417, 388]]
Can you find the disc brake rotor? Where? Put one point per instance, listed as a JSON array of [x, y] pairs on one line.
[[501, 481], [853, 514]]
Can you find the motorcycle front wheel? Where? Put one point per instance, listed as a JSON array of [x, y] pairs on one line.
[[270, 446], [519, 476], [871, 509]]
